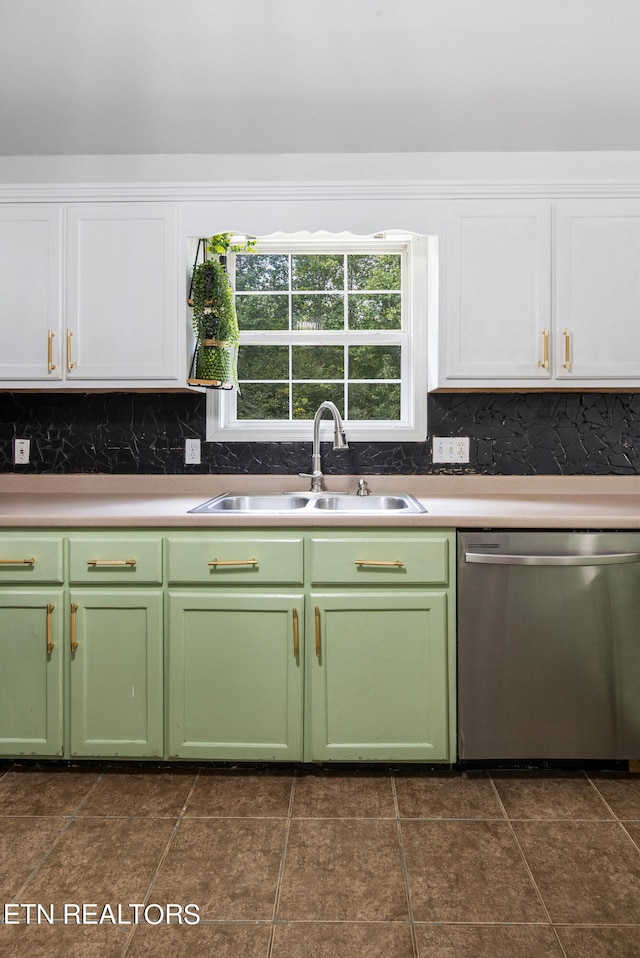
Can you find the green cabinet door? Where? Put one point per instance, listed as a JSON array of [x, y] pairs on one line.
[[378, 676], [31, 672], [116, 673], [235, 676]]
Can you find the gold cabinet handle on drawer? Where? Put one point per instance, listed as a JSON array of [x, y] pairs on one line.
[[317, 617], [296, 635], [396, 562], [74, 609], [95, 562], [50, 609], [567, 348], [70, 363], [544, 363], [50, 363], [17, 561], [217, 562]]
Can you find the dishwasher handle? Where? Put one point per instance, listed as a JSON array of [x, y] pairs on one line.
[[606, 558]]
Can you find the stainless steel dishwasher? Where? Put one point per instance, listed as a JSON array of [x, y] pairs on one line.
[[548, 645]]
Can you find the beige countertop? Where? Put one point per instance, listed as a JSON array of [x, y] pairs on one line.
[[89, 501]]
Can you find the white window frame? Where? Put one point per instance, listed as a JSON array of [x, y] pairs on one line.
[[221, 424]]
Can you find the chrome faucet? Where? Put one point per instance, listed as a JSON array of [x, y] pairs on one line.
[[339, 442]]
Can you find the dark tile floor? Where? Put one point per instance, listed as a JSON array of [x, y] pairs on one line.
[[318, 863]]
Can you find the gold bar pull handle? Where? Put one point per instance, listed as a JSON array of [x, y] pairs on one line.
[[17, 561], [374, 562], [218, 562], [70, 362], [567, 349], [74, 609], [50, 609], [544, 362], [50, 363], [98, 562], [317, 618], [296, 635]]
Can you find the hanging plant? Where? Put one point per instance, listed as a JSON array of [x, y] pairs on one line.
[[214, 314]]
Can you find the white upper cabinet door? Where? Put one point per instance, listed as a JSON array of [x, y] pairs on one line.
[[598, 290], [498, 271], [122, 293], [30, 293]]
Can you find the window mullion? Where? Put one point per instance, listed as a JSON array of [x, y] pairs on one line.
[[371, 337], [345, 290], [346, 380]]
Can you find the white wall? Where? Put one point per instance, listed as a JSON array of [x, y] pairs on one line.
[[321, 167]]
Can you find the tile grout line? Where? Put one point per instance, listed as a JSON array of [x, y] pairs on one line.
[[527, 866], [598, 924], [405, 872], [283, 856], [70, 819], [163, 858]]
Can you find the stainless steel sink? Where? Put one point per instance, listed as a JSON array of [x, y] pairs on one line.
[[230, 503], [370, 503], [299, 502]]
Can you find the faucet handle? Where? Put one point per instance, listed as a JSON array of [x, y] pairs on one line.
[[316, 480], [363, 488]]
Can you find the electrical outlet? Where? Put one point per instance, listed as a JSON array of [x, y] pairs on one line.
[[451, 449], [192, 452], [21, 451]]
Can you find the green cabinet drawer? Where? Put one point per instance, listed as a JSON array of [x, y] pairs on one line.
[[31, 559], [117, 558], [236, 560], [393, 559]]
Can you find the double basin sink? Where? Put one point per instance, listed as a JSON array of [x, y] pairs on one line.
[[305, 503]]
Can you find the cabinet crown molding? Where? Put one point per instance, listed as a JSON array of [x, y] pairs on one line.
[[318, 190]]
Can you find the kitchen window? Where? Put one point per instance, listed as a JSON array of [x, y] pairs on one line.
[[327, 316]]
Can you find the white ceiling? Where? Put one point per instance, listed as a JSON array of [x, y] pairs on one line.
[[318, 76]]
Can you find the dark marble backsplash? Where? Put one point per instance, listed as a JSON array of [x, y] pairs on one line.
[[511, 434]]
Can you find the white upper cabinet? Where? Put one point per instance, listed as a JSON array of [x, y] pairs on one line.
[[498, 301], [122, 308], [598, 291], [109, 317], [541, 295], [30, 292]]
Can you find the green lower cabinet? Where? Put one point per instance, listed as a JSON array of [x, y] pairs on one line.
[[235, 676], [242, 645], [116, 673], [378, 676], [31, 657]]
